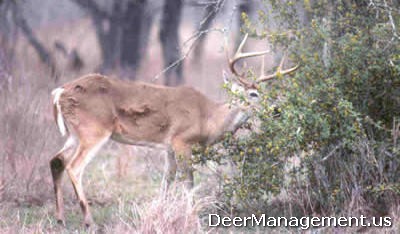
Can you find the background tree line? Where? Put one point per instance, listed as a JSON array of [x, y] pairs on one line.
[[122, 29]]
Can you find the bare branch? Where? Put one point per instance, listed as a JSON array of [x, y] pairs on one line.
[[211, 11], [43, 53], [391, 21], [194, 40], [92, 7], [386, 8]]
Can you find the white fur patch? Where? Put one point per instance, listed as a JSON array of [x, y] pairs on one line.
[[71, 141], [56, 101]]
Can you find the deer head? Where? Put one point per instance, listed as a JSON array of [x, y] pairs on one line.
[[240, 84]]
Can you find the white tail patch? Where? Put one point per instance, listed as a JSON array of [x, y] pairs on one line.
[[56, 101]]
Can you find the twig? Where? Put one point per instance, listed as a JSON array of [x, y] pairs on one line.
[[385, 7], [44, 55], [332, 152], [394, 29], [193, 38]]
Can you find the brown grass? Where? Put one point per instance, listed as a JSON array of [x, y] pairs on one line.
[[27, 126], [175, 211], [119, 184]]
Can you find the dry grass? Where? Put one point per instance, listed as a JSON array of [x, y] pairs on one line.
[[175, 211], [172, 212], [122, 185], [27, 124]]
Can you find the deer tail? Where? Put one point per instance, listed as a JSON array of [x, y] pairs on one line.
[[57, 110]]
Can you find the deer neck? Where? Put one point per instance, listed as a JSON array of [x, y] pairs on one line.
[[226, 118]]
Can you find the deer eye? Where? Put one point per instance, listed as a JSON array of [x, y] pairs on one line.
[[253, 94]]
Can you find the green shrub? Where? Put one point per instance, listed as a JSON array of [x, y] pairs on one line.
[[338, 113]]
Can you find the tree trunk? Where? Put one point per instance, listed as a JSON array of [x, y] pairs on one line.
[[109, 32], [147, 23], [121, 33], [8, 35], [43, 53], [132, 29], [169, 37]]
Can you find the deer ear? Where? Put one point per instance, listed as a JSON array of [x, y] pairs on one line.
[[226, 77]]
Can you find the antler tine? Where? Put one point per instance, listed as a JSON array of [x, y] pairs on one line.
[[239, 49], [279, 71], [240, 55]]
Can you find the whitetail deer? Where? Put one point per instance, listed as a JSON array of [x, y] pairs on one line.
[[93, 109]]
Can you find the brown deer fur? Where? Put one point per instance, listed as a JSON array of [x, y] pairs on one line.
[[95, 108]]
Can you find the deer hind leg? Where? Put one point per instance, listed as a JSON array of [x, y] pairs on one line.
[[57, 166], [87, 149], [183, 153]]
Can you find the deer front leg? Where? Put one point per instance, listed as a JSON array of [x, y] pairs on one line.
[[170, 169], [183, 153]]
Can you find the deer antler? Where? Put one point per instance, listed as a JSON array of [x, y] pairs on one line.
[[278, 72], [240, 55]]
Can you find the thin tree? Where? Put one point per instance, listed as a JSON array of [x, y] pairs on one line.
[[11, 16], [169, 38], [121, 31], [8, 35]]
